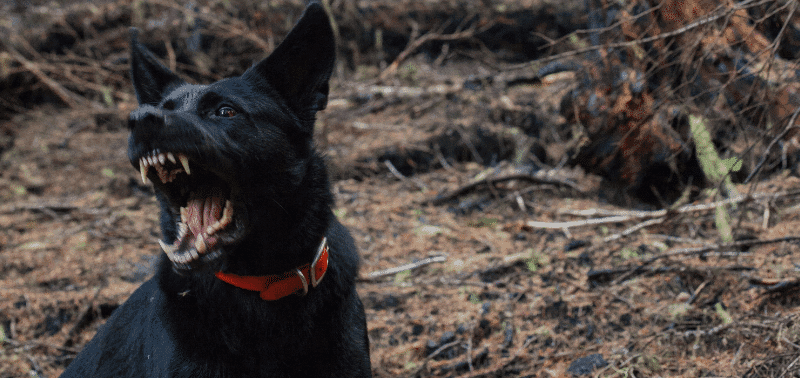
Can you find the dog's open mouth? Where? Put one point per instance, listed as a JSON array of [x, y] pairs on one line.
[[201, 199]]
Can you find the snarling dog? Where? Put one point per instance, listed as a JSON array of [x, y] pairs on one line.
[[257, 278]]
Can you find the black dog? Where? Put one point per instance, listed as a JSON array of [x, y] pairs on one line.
[[257, 278]]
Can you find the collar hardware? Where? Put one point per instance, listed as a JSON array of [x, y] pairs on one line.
[[303, 280], [319, 265], [276, 286]]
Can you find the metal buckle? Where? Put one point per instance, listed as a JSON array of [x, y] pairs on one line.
[[312, 272], [304, 281]]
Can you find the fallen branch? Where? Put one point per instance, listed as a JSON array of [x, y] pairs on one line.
[[720, 246], [628, 272], [540, 177], [43, 207], [401, 268], [419, 184], [624, 216], [602, 276], [633, 229]]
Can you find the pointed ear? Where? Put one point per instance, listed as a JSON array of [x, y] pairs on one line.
[[151, 79], [300, 67]]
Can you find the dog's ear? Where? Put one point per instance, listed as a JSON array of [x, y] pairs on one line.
[[300, 67], [151, 79]]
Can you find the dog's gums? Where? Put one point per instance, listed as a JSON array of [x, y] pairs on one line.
[[206, 212]]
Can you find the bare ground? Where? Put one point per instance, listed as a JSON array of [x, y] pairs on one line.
[[500, 288], [504, 297]]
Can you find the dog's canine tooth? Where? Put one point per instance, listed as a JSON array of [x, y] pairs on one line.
[[172, 256], [200, 244], [227, 215], [162, 158], [171, 157], [185, 163], [143, 170], [183, 215]]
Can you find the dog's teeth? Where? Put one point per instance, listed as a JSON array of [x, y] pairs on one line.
[[224, 221], [182, 229], [185, 163], [162, 159], [183, 214], [143, 170], [193, 255], [166, 248], [171, 157], [227, 215], [200, 244], [172, 256]]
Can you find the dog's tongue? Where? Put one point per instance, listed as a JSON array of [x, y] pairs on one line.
[[203, 209]]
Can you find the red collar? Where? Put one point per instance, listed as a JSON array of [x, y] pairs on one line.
[[277, 286]]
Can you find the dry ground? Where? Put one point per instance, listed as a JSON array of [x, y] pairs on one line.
[[501, 296]]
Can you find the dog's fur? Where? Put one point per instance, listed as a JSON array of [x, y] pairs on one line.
[[249, 138]]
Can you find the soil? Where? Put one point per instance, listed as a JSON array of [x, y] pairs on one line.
[[498, 286]]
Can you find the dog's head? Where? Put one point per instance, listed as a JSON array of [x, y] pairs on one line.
[[214, 152]]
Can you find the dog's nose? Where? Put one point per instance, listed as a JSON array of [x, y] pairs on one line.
[[145, 114]]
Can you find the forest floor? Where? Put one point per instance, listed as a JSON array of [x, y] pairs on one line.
[[500, 284], [500, 296]]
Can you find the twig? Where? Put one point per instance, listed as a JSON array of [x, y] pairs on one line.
[[789, 127], [540, 177], [503, 363], [637, 42], [410, 266], [72, 100], [623, 274], [633, 229], [715, 247], [433, 355], [235, 27], [629, 272], [419, 42], [402, 177], [44, 207], [578, 223]]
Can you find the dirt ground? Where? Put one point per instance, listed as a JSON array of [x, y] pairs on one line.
[[499, 283], [500, 296]]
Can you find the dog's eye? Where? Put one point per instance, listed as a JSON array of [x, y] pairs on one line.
[[226, 111]]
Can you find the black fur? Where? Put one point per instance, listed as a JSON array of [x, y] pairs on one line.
[[184, 322]]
